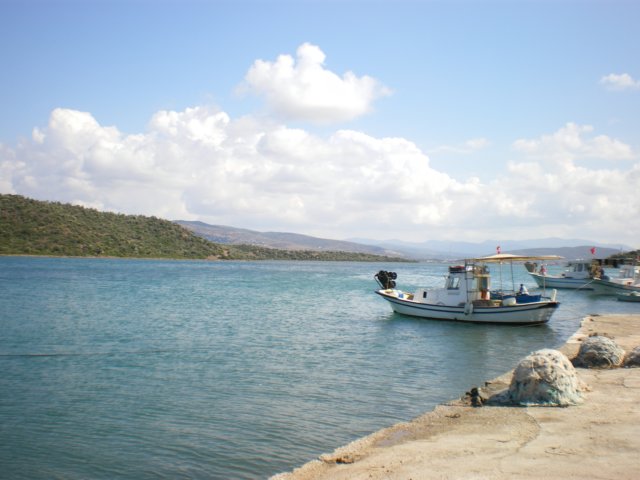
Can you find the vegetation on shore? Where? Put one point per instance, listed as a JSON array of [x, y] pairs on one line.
[[254, 252], [631, 256], [33, 227]]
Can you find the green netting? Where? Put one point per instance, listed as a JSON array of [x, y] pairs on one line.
[[547, 378]]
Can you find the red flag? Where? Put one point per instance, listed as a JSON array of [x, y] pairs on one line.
[[498, 249], [593, 250]]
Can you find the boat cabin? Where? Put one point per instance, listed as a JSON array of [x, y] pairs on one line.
[[580, 269], [463, 284], [629, 274]]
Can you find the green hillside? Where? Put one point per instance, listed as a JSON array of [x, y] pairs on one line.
[[33, 227]]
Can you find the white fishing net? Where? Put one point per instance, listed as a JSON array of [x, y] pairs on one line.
[[599, 352], [547, 378]]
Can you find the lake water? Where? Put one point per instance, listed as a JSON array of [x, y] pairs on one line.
[[137, 369]]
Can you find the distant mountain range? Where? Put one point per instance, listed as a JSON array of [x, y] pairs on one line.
[[33, 227], [429, 250], [283, 241], [567, 248]]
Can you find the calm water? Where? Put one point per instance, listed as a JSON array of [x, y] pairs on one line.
[[166, 370]]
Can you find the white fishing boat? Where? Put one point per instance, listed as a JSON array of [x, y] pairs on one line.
[[578, 275], [467, 296], [627, 281]]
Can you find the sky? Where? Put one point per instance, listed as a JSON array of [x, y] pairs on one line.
[[414, 120]]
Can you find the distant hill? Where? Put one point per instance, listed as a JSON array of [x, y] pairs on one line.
[[33, 227], [280, 240], [570, 253], [430, 250], [437, 249]]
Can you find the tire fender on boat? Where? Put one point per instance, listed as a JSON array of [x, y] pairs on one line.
[[554, 292], [468, 308]]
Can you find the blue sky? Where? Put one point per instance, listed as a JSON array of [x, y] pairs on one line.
[[417, 120]]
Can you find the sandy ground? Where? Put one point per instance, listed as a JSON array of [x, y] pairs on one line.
[[599, 439]]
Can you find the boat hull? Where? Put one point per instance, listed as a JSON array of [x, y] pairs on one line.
[[526, 313], [550, 281], [606, 287], [628, 297]]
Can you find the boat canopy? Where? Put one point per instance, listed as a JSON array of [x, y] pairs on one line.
[[508, 257]]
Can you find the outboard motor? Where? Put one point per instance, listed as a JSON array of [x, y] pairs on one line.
[[386, 279]]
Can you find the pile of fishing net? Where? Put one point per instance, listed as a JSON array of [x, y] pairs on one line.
[[633, 358], [546, 378], [598, 351]]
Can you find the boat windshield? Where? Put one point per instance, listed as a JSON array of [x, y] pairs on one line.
[[453, 283]]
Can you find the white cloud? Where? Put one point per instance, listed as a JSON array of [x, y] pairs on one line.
[[623, 81], [574, 142], [470, 146], [195, 124], [199, 163], [562, 197], [302, 89], [251, 172]]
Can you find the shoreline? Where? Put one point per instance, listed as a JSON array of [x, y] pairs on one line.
[[598, 439]]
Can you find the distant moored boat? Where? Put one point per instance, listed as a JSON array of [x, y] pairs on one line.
[[629, 297], [627, 281], [578, 275]]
